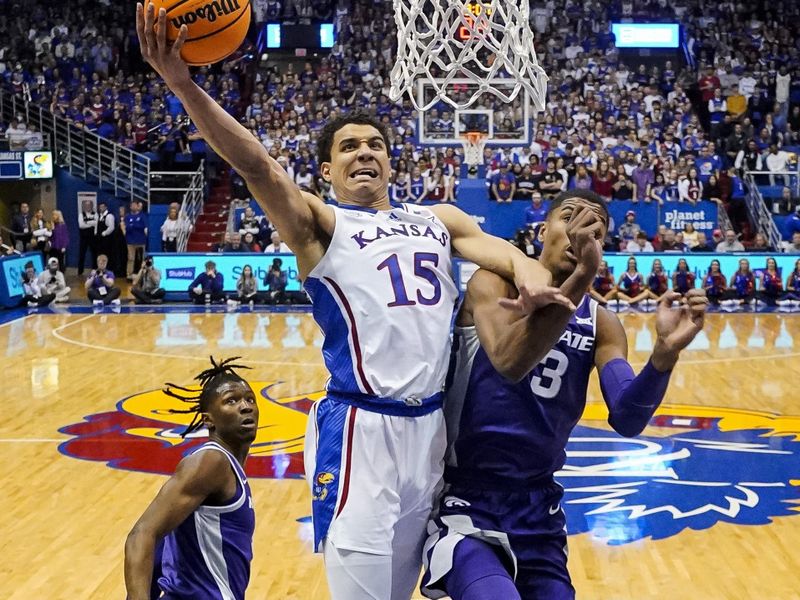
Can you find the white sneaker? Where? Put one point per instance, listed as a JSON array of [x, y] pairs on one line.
[[795, 303], [97, 303], [783, 302], [33, 304], [116, 302], [232, 303], [752, 302]]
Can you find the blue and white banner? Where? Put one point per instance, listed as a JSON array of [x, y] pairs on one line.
[[675, 215], [179, 270]]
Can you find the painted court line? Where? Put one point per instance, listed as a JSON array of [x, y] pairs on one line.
[[57, 334]]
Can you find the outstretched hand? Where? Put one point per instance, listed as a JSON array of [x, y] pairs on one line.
[[532, 298], [676, 328], [163, 56], [584, 231]]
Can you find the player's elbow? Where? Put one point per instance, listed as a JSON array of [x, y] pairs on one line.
[[626, 428]]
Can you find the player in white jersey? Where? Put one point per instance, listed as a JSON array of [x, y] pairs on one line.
[[379, 277]]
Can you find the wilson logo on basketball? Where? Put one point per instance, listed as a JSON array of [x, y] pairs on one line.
[[210, 12], [693, 469]]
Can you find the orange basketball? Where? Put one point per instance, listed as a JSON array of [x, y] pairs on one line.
[[216, 28]]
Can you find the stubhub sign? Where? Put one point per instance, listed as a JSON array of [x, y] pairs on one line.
[[179, 270], [646, 35]]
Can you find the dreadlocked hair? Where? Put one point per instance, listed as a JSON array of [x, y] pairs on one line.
[[210, 380]]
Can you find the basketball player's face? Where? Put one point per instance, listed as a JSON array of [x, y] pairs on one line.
[[557, 254], [359, 169], [233, 413]]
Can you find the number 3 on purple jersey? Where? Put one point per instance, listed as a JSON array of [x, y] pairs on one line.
[[392, 264]]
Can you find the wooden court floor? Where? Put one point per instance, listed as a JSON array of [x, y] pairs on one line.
[[705, 505]]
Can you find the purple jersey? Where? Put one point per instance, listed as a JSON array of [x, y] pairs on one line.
[[504, 432], [208, 555]]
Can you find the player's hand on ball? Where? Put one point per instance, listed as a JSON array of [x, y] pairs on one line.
[[676, 328], [164, 57], [532, 298]]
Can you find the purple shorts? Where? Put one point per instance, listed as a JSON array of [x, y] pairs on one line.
[[526, 529]]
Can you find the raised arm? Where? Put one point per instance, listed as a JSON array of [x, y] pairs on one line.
[[197, 478], [500, 257], [515, 343], [633, 399], [302, 219]]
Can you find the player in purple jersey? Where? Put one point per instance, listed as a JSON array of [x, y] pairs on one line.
[[204, 512], [499, 530]]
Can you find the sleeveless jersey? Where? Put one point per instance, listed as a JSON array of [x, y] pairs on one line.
[[384, 297], [684, 281], [772, 283], [417, 187], [209, 554], [602, 284], [499, 431], [715, 282], [400, 192], [632, 284], [744, 283], [657, 283], [794, 282]]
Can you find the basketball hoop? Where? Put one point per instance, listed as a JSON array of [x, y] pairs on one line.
[[474, 142], [443, 40]]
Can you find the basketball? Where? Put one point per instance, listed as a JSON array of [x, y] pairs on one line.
[[216, 28]]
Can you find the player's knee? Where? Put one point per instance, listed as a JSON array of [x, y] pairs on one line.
[[478, 573], [490, 587]]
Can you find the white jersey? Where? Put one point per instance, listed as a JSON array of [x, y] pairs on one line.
[[384, 297]]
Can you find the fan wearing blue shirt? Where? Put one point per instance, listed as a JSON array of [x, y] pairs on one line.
[[135, 237]]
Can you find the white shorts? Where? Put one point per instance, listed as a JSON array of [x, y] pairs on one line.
[[373, 477]]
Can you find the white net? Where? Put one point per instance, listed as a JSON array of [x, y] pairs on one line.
[[444, 40]]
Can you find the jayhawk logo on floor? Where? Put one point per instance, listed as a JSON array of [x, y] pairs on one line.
[[693, 467], [142, 435]]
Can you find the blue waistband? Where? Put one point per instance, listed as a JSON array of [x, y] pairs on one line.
[[411, 407]]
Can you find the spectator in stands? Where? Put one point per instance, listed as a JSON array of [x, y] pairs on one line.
[[276, 246], [624, 188], [690, 235], [504, 185], [52, 281], [100, 286], [639, 244], [643, 177], [736, 104], [776, 162], [233, 244], [42, 232], [146, 288], [249, 222], [630, 228], [711, 190], [59, 241], [417, 186], [33, 294], [526, 184], [537, 212], [794, 246], [785, 204], [582, 179], [170, 230], [22, 228], [208, 286], [760, 243], [551, 182], [690, 187], [276, 281], [731, 243], [436, 186], [87, 230], [714, 283], [603, 182], [401, 187], [670, 243], [118, 259], [135, 237], [246, 288], [702, 244]]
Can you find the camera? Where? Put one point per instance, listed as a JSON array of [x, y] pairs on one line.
[[148, 262]]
